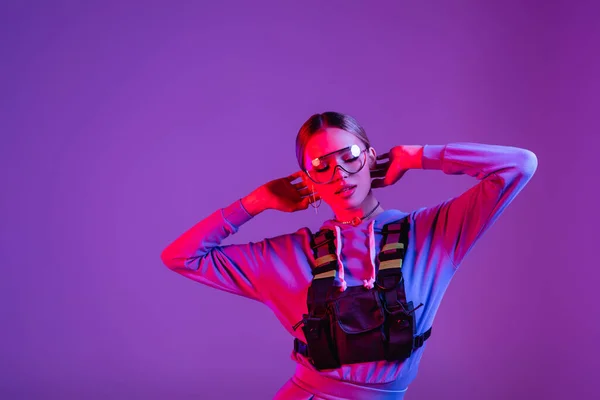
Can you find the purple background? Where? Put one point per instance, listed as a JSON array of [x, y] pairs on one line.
[[124, 124]]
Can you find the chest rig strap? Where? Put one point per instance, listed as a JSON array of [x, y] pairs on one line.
[[316, 324], [330, 335], [400, 327]]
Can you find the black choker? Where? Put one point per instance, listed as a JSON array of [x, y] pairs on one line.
[[357, 220]]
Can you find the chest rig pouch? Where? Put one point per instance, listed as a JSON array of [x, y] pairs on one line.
[[359, 324]]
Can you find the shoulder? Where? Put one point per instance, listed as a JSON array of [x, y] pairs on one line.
[[390, 216], [426, 215], [296, 240], [421, 220]]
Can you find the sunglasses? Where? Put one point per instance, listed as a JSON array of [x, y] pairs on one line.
[[350, 159]]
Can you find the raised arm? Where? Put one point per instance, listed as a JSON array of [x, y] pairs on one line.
[[457, 223], [199, 255]]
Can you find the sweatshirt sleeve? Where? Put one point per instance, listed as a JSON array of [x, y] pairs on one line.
[[198, 254], [502, 171]]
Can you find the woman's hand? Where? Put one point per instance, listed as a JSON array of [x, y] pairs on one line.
[[281, 194], [392, 166]]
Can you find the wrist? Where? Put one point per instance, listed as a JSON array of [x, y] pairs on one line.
[[413, 157], [252, 204], [419, 157]]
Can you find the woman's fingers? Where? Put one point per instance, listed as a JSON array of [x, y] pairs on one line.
[[380, 169], [377, 183], [295, 175], [311, 195], [383, 164], [378, 173], [299, 175], [305, 203], [387, 179], [305, 192]]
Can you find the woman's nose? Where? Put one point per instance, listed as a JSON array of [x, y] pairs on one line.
[[339, 172]]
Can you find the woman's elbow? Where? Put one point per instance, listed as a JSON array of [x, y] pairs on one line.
[[528, 162], [167, 258]]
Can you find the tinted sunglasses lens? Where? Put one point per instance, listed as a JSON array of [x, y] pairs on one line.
[[326, 170], [321, 177], [354, 165]]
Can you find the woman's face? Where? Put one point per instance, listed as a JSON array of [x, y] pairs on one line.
[[321, 156]]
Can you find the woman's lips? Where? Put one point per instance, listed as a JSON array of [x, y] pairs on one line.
[[347, 192]]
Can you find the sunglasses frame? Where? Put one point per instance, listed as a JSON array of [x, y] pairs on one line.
[[361, 152]]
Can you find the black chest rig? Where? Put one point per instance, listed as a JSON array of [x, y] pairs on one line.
[[359, 324]]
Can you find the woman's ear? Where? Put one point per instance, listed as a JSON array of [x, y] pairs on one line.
[[372, 158]]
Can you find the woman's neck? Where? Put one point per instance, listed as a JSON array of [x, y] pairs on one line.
[[369, 208]]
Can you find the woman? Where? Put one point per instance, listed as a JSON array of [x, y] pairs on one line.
[[349, 357]]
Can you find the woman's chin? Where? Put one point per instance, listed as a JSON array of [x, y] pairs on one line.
[[351, 203], [348, 201]]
